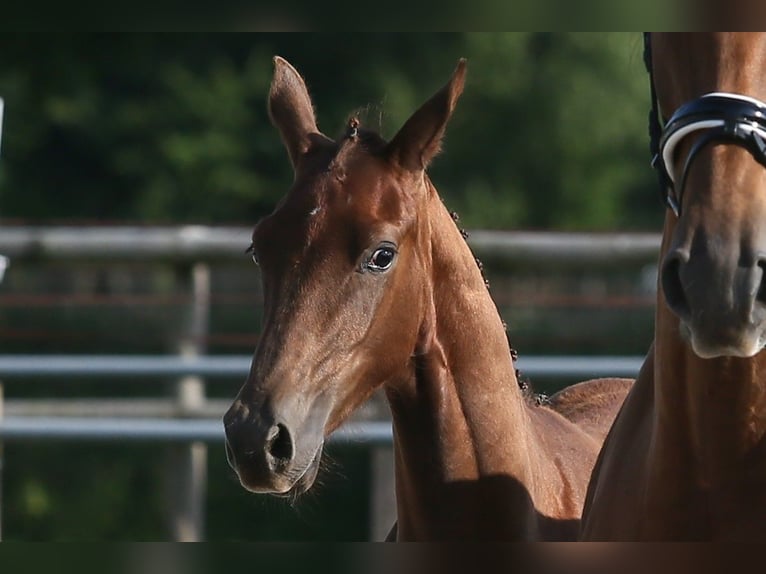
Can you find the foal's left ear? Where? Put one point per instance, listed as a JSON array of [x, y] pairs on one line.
[[419, 140], [291, 110]]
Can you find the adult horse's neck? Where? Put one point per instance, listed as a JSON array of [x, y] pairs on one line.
[[709, 425], [713, 411], [460, 421]]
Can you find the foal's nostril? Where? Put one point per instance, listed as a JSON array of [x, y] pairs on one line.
[[672, 286], [279, 445]]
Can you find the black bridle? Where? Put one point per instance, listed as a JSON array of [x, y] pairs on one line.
[[722, 117]]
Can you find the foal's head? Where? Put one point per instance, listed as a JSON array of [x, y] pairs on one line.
[[345, 268], [713, 270]]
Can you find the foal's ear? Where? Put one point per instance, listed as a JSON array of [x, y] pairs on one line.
[[290, 109], [419, 140]]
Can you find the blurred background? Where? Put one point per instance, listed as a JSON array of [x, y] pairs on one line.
[[133, 167]]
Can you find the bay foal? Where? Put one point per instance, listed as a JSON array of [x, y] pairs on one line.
[[368, 283]]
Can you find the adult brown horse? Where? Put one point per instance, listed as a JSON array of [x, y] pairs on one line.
[[368, 283], [686, 458]]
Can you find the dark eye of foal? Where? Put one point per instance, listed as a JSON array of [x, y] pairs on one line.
[[382, 258]]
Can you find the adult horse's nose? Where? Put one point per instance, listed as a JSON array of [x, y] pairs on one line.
[[259, 448], [719, 295]]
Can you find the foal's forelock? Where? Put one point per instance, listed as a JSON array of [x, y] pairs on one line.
[[346, 149]]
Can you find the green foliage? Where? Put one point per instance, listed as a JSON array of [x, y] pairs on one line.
[[153, 128], [556, 125], [550, 133], [70, 503]]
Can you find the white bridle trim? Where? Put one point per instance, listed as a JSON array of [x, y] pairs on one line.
[[675, 138]]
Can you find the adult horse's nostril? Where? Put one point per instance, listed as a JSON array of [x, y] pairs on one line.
[[230, 456], [672, 286], [279, 446]]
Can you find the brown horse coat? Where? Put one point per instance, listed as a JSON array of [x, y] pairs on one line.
[[368, 284], [686, 457]]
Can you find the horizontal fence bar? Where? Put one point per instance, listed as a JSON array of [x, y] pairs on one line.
[[562, 366], [197, 242], [374, 409], [139, 429], [561, 248], [94, 366], [119, 407], [124, 243], [88, 366]]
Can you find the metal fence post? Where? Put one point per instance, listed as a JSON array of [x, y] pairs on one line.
[[3, 264], [1, 463], [187, 474], [2, 105]]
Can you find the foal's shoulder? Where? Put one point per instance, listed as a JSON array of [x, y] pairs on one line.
[[592, 404], [594, 392]]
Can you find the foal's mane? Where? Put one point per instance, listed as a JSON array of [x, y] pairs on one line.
[[374, 143]]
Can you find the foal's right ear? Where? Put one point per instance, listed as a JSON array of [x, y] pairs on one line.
[[291, 111], [419, 140]]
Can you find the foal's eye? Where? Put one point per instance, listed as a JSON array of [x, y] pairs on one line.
[[382, 258]]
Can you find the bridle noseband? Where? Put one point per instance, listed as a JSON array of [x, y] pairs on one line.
[[729, 118], [722, 117]]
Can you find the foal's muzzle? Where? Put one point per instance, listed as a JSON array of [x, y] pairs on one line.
[[260, 449], [264, 450]]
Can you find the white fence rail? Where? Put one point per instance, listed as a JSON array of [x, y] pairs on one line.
[[110, 366], [368, 433], [196, 243], [194, 247], [106, 369], [190, 432], [2, 107], [17, 368]]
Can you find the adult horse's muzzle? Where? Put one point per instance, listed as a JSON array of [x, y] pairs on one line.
[[263, 450], [719, 297]]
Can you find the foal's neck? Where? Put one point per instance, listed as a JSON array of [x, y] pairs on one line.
[[470, 347], [461, 421]]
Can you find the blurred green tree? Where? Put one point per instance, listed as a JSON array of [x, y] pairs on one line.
[[173, 128], [139, 128]]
